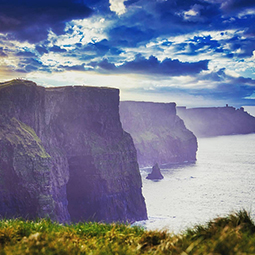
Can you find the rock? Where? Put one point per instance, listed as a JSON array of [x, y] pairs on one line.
[[67, 154], [155, 174], [159, 134], [217, 121], [24, 172]]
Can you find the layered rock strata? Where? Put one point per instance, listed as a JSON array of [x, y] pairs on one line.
[[65, 155], [159, 135]]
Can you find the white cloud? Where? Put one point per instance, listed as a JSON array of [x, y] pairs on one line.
[[193, 14], [117, 6], [232, 73], [246, 12], [83, 31], [190, 14]]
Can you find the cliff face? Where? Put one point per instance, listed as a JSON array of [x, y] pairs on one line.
[[217, 121], [160, 136], [89, 162], [24, 172]]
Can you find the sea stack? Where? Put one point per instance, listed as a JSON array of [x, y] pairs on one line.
[[64, 155], [155, 174]]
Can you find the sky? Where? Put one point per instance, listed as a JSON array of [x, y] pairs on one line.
[[194, 53]]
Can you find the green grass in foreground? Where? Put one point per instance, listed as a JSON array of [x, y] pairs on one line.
[[234, 234]]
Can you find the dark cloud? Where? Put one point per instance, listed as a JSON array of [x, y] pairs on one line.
[[130, 36], [30, 68], [105, 65], [221, 76], [232, 91], [238, 46], [243, 80], [201, 42], [91, 50], [250, 32], [198, 45], [141, 65], [30, 20], [28, 65], [166, 67], [116, 51], [2, 53], [20, 71], [98, 48], [224, 87], [94, 50], [227, 87], [98, 6], [31, 33], [175, 17], [237, 5], [152, 66], [26, 54], [146, 20], [41, 49], [57, 49], [241, 47], [130, 2], [78, 45]]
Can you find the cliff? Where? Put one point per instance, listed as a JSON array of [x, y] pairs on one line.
[[24, 172], [160, 136], [217, 121], [65, 155]]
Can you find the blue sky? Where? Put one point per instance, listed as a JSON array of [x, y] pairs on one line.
[[194, 53]]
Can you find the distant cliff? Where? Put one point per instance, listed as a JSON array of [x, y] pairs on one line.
[[160, 136], [217, 121], [64, 154]]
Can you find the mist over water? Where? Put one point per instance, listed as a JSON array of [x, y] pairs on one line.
[[220, 182], [250, 110]]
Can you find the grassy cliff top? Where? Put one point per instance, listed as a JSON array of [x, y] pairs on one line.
[[17, 82], [148, 103], [87, 87], [233, 234], [58, 88]]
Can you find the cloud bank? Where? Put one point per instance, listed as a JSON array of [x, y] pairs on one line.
[[151, 49]]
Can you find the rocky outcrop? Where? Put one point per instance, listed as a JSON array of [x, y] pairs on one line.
[[159, 134], [155, 173], [217, 121], [66, 155]]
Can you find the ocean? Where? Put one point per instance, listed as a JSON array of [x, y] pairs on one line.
[[221, 181]]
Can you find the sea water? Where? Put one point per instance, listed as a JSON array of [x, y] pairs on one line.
[[221, 181]]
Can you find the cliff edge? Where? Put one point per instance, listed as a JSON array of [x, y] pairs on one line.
[[65, 155], [217, 121], [160, 136]]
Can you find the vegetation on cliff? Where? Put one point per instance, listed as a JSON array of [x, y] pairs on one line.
[[24, 172], [233, 234], [159, 135]]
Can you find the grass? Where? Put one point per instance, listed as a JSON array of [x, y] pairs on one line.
[[233, 234]]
